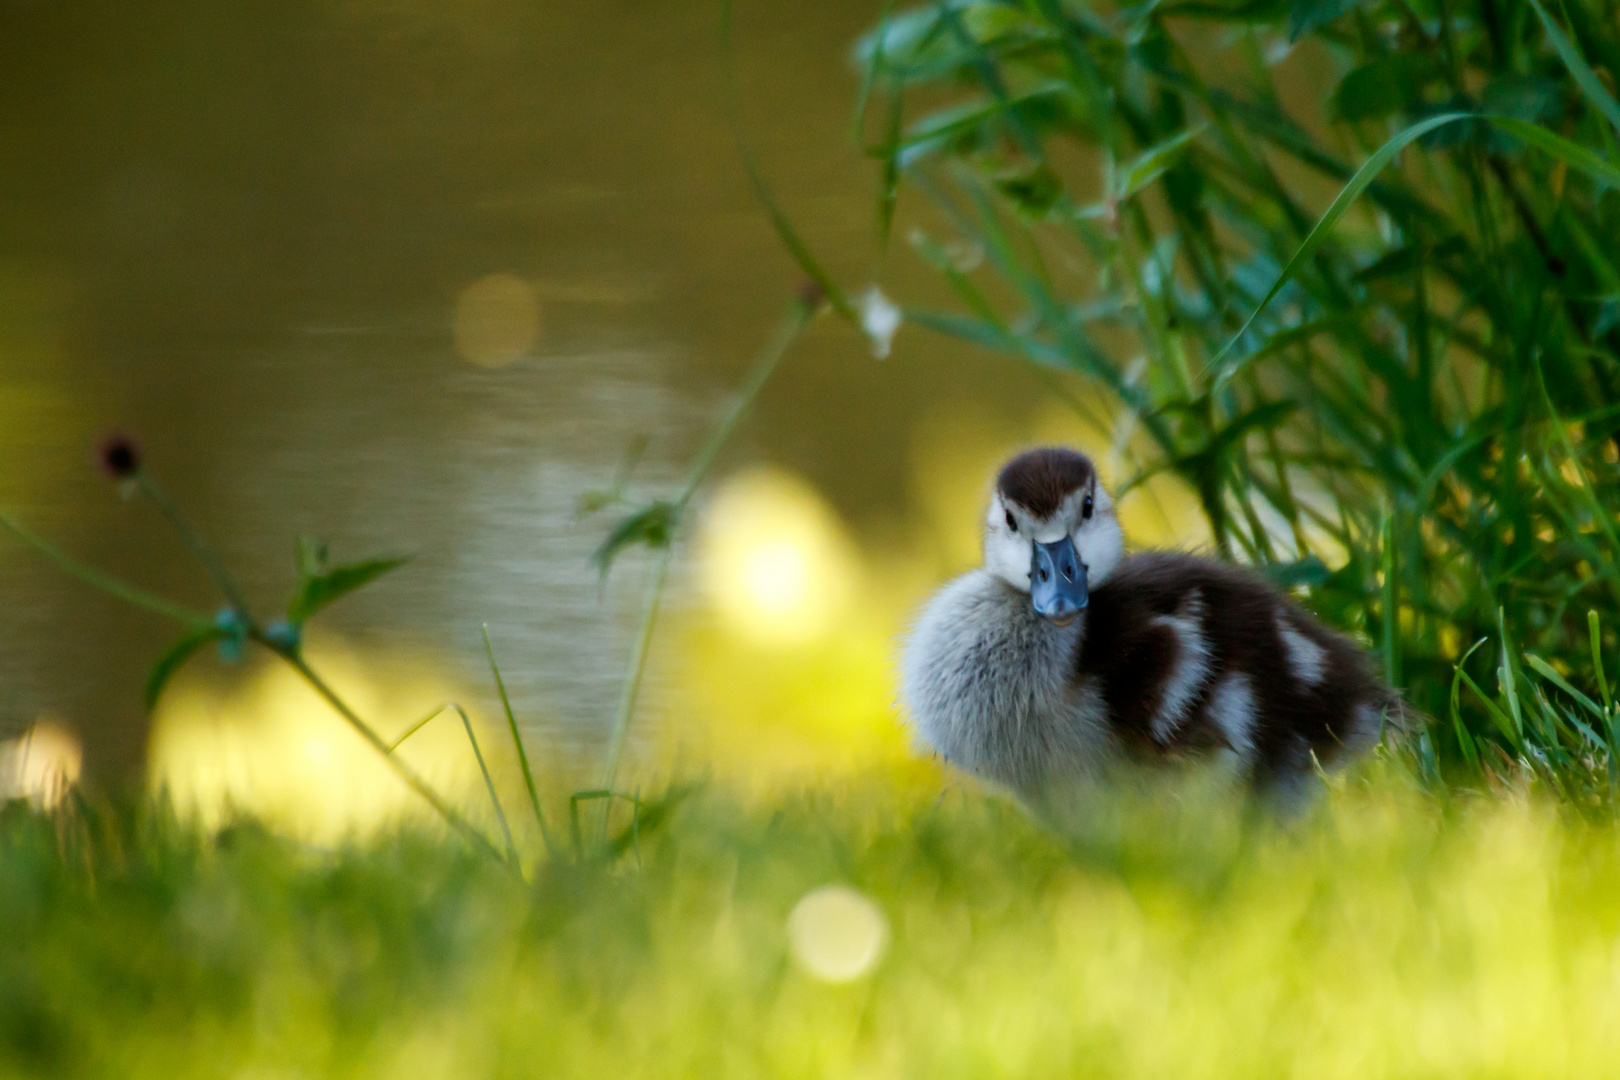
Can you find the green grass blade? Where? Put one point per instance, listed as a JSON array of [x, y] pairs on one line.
[[990, 76], [874, 64], [785, 229], [1594, 629], [1391, 605], [517, 741], [418, 726], [1503, 722], [1585, 77], [447, 706], [605, 795], [489, 785], [889, 183], [1339, 207], [1571, 722], [1571, 153], [1548, 672], [1465, 740], [630, 688], [1152, 163], [1505, 679]]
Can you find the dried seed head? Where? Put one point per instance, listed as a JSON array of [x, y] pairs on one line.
[[119, 457]]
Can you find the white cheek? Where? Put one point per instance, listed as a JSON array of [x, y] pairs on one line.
[[1099, 544], [1007, 556]]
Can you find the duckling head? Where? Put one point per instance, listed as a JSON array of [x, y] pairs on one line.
[[1051, 531]]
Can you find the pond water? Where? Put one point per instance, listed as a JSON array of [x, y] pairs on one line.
[[243, 233]]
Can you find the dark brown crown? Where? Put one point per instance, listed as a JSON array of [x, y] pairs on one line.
[[1039, 480]]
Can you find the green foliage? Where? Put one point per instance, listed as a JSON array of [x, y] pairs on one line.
[[1434, 353], [173, 660], [320, 584], [1546, 729], [652, 525]]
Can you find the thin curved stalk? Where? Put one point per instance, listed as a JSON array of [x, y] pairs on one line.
[[517, 741], [478, 753], [193, 539], [798, 317], [762, 189], [412, 778], [638, 663], [105, 582]]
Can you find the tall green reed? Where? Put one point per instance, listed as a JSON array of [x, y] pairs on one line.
[[1404, 405]]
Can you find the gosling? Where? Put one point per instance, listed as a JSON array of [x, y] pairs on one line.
[[1062, 656]]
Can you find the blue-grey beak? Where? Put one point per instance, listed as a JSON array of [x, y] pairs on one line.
[[1057, 581]]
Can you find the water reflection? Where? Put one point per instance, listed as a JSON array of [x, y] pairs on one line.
[[268, 238], [497, 320]]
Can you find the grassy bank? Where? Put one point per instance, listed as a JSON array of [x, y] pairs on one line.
[[1386, 935]]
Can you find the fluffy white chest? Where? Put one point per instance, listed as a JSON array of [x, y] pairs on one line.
[[988, 685]]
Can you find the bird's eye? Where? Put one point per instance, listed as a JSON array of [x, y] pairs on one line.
[[1085, 508], [1012, 523]]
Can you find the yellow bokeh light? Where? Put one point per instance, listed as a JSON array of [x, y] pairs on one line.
[[776, 578], [837, 933], [776, 561], [795, 676], [268, 746], [497, 320], [41, 764]]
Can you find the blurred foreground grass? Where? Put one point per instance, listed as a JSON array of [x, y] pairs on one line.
[[1387, 934]]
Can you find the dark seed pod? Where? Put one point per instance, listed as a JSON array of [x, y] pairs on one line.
[[119, 457]]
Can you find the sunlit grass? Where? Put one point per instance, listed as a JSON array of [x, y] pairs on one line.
[[1384, 935]]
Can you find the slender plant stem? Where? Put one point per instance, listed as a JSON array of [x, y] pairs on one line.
[[638, 663], [105, 582], [420, 724], [1391, 602], [412, 779], [199, 547], [517, 741], [489, 783], [762, 189], [798, 316]]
